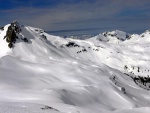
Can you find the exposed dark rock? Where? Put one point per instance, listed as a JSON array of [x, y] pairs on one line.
[[72, 44], [48, 107], [25, 40], [11, 33]]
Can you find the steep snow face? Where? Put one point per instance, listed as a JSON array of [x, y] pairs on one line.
[[38, 48], [4, 49], [52, 74]]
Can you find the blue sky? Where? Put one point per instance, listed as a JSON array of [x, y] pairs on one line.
[[66, 17]]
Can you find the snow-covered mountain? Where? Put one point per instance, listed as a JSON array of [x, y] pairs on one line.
[[111, 37], [41, 73]]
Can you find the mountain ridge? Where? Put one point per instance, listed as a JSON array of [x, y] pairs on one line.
[[73, 75]]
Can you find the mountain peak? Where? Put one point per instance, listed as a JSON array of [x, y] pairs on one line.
[[120, 35], [12, 32], [115, 36]]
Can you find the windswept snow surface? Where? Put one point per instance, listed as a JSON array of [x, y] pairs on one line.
[[50, 74]]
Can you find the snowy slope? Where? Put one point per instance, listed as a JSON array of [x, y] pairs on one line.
[[72, 75]]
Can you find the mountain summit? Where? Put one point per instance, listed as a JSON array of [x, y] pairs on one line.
[[42, 73]]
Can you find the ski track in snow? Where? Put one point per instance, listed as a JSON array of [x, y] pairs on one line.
[[77, 78]]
